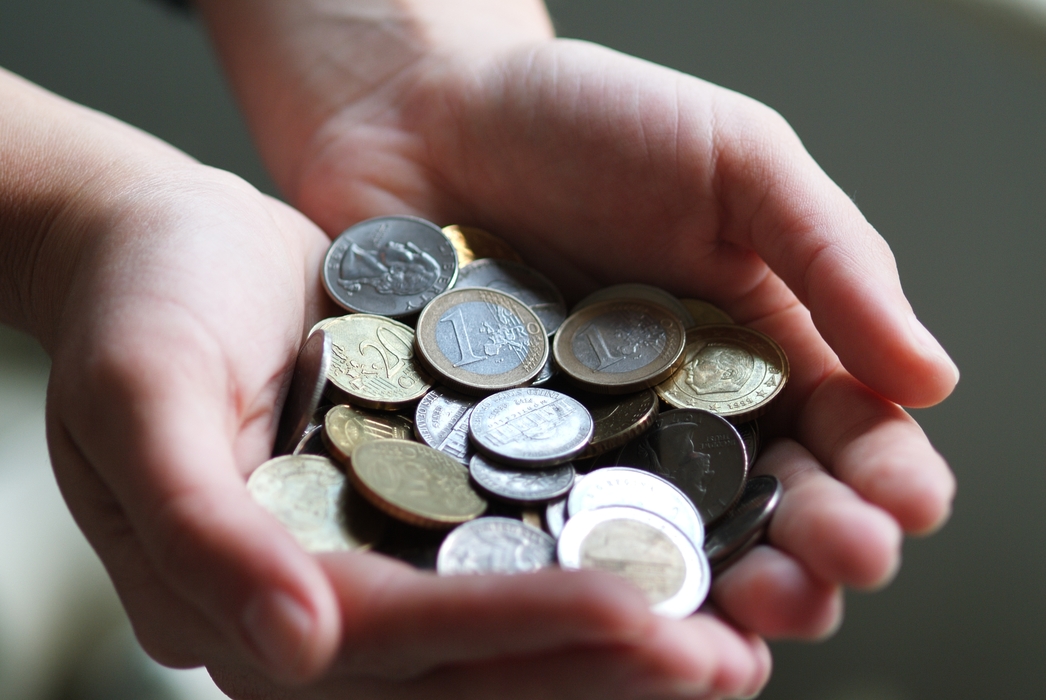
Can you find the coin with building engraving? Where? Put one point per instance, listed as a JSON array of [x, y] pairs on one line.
[[635, 290], [705, 314], [415, 483], [521, 281], [520, 484], [495, 546], [479, 341], [391, 265], [618, 419], [471, 243], [643, 548], [619, 347], [733, 371], [373, 363], [345, 427], [743, 524], [441, 420], [306, 390], [530, 427]]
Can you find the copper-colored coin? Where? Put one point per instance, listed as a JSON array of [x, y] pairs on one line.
[[705, 314], [415, 483], [618, 419], [732, 371], [619, 346], [471, 243], [346, 427]]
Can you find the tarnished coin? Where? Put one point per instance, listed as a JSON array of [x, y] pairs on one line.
[[699, 452], [495, 546], [556, 516], [441, 421], [312, 499], [391, 265], [471, 243], [518, 280], [645, 549], [749, 432], [373, 362], [530, 427], [744, 524], [732, 371], [415, 483], [305, 392], [312, 444], [345, 427], [635, 290], [624, 486], [619, 347], [705, 314], [618, 419], [519, 484], [480, 341]]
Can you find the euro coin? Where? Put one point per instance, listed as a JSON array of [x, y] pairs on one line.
[[471, 243], [635, 290], [518, 280], [530, 427], [495, 546], [705, 314], [345, 427], [618, 419]]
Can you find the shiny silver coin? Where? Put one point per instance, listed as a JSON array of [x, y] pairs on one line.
[[556, 517], [521, 485], [521, 281], [441, 420], [547, 373], [643, 548], [312, 444], [390, 266], [305, 392], [745, 523], [495, 546], [749, 433], [635, 290], [530, 427], [624, 486]]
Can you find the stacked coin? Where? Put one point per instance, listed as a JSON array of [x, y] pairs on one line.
[[480, 428]]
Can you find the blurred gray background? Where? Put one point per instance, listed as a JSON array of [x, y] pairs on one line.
[[930, 116]]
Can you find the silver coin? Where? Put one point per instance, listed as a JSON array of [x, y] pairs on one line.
[[441, 420], [305, 392], [521, 281], [390, 266], [744, 524], [645, 549], [547, 373], [749, 433], [556, 517], [495, 546], [635, 290], [530, 427], [624, 486], [522, 485], [312, 444]]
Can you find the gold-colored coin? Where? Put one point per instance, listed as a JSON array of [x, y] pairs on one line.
[[634, 290], [732, 371], [479, 341], [531, 517], [313, 500], [415, 483], [618, 419], [619, 346], [373, 364], [346, 427], [705, 314], [471, 243]]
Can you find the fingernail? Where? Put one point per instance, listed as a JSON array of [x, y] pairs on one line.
[[277, 628], [927, 340]]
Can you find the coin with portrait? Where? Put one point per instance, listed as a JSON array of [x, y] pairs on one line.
[[521, 485], [495, 545]]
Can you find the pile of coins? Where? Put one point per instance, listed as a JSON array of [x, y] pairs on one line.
[[458, 418]]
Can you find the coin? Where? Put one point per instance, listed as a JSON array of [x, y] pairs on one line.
[[556, 516], [697, 451], [471, 243], [495, 546], [618, 419], [480, 340], [345, 427], [733, 371], [634, 290], [518, 280], [705, 314], [521, 485], [619, 347], [441, 421], [312, 444], [530, 427], [373, 362], [312, 499], [415, 483], [305, 392], [745, 523], [390, 265], [749, 432], [531, 517], [645, 549], [624, 486], [547, 373]]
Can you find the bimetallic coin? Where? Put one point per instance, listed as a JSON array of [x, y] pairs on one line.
[[495, 546], [624, 486], [705, 314], [732, 371], [645, 549], [530, 427], [441, 421], [619, 347], [415, 483], [745, 523], [556, 517], [305, 392], [373, 362], [471, 243], [698, 452], [618, 419], [518, 280], [521, 485], [312, 444], [311, 498], [345, 427], [646, 292], [479, 341], [391, 265]]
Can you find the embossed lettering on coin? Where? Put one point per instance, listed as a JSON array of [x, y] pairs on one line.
[[518, 280], [441, 421], [530, 427], [495, 546]]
